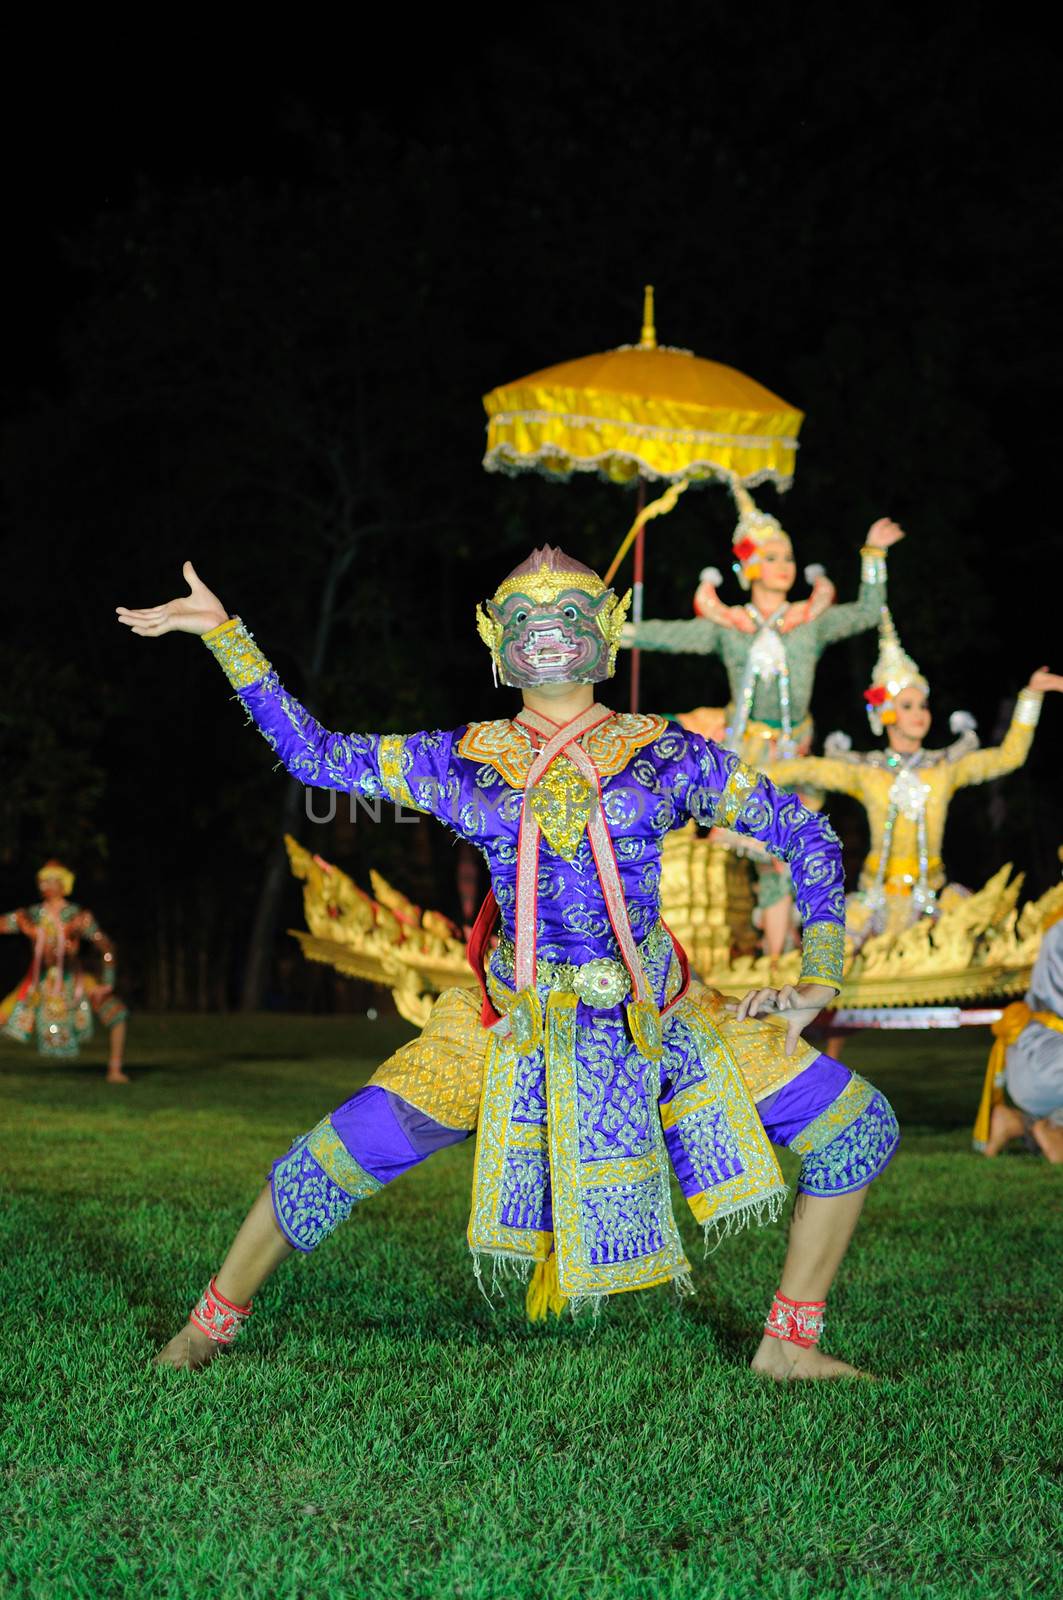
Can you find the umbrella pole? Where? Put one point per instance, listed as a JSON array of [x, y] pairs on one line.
[[637, 591]]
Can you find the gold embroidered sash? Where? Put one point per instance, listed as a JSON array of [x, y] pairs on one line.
[[612, 1225]]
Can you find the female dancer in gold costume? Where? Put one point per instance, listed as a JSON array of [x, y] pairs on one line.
[[905, 789]]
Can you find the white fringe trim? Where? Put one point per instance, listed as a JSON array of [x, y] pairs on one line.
[[759, 1212], [586, 1305], [503, 1265], [506, 1266]]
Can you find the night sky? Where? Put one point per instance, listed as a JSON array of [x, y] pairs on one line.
[[241, 270]]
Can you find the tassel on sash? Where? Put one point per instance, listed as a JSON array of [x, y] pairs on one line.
[[544, 1293]]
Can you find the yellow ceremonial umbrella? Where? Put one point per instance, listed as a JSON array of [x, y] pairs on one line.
[[645, 412]]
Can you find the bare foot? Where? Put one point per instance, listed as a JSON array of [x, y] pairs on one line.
[[783, 1361], [116, 1075], [1005, 1124], [188, 1349], [1049, 1139]]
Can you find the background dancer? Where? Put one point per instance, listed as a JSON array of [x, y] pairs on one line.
[[56, 1001], [1027, 1060], [906, 789], [770, 648]]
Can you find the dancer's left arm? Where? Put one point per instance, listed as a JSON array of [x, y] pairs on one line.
[[725, 793], [841, 622], [733, 795]]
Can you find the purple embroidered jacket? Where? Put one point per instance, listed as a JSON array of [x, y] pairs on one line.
[[654, 776]]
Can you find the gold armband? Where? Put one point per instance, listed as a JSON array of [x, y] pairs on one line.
[[234, 648], [823, 953], [392, 757], [735, 793]]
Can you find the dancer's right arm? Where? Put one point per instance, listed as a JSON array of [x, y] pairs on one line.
[[413, 771], [9, 922]]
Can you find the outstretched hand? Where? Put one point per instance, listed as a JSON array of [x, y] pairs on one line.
[[801, 1003], [1045, 682], [884, 532], [196, 612]]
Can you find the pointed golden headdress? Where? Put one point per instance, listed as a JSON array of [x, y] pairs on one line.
[[894, 670], [752, 531]]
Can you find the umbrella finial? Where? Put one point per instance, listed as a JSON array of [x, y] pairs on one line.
[[649, 332]]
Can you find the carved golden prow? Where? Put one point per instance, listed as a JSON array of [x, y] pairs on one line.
[[980, 947], [382, 938]]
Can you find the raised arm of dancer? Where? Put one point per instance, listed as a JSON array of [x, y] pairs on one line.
[[411, 770], [982, 765], [840, 622]]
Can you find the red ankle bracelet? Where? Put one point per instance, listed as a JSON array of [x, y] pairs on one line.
[[799, 1322], [217, 1317]]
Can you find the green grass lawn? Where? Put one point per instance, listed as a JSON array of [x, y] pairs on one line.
[[382, 1432]]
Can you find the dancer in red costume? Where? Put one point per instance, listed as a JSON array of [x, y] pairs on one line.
[[56, 1002]]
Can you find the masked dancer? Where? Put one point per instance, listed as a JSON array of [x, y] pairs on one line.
[[590, 1062]]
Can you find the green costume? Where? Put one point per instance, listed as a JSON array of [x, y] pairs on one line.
[[751, 660], [771, 670]]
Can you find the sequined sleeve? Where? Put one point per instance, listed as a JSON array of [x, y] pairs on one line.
[[9, 922], [979, 766], [699, 636], [725, 793], [410, 770], [841, 622]]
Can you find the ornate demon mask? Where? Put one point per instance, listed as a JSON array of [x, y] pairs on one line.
[[552, 621]]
